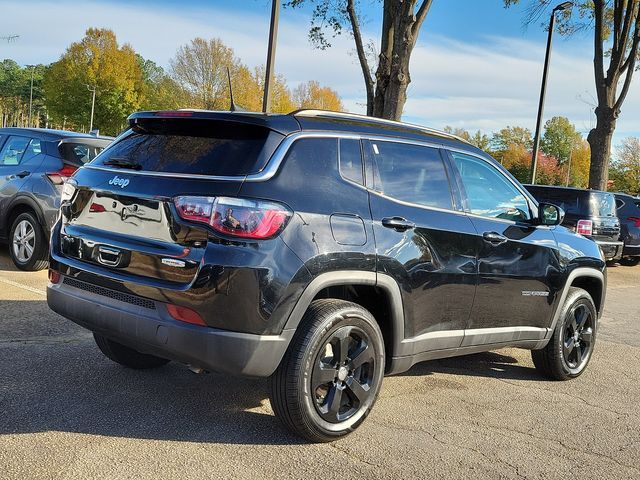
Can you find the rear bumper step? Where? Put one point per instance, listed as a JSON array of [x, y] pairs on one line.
[[153, 331]]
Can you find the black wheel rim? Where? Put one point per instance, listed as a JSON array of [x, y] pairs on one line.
[[578, 337], [343, 376]]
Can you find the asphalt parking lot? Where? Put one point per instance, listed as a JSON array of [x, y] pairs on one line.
[[68, 412]]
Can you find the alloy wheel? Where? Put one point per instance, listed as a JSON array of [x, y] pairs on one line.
[[24, 241], [578, 337], [343, 376]]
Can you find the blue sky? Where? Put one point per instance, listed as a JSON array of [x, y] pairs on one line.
[[475, 66]]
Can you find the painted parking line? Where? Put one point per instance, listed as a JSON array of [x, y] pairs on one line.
[[23, 286]]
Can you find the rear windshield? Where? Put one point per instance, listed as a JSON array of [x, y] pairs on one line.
[[603, 204], [194, 147], [78, 153]]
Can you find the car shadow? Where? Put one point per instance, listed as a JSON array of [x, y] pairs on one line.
[[486, 364]]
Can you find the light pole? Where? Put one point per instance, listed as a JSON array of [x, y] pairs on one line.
[[543, 88], [31, 93], [93, 103], [271, 55]]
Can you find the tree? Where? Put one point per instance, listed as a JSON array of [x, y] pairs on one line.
[[97, 61], [578, 168], [312, 95], [160, 91], [401, 24], [15, 91], [559, 139], [625, 169], [508, 137], [200, 67], [616, 35]]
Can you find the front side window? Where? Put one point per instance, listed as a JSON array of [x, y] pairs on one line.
[[13, 149], [411, 173], [489, 192]]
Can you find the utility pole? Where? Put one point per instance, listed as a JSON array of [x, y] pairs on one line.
[[31, 94], [271, 55], [93, 104]]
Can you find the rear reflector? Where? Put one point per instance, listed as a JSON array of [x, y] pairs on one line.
[[54, 277], [636, 221], [184, 314], [585, 227], [236, 217], [61, 176]]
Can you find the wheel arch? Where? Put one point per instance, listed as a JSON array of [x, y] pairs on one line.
[[24, 204], [365, 289]]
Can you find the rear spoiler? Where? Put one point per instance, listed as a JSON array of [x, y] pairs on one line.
[[92, 141]]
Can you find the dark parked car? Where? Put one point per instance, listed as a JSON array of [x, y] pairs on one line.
[[34, 163], [591, 213], [628, 208], [320, 249]]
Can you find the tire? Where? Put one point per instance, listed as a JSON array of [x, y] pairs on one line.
[[630, 261], [312, 360], [28, 245], [570, 349], [126, 356]]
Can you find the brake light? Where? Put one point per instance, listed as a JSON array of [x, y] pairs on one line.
[[237, 217], [97, 208], [636, 221], [61, 176], [174, 113], [585, 227], [184, 314]]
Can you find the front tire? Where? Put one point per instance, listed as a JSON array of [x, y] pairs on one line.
[[28, 248], [330, 377], [568, 352], [126, 356], [630, 261]]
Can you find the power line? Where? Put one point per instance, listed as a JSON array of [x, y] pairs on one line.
[[9, 38]]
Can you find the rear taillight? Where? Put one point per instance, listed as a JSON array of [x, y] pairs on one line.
[[61, 176], [636, 221], [584, 227], [236, 217]]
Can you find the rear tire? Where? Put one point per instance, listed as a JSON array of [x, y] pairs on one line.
[[630, 261], [126, 356], [568, 352], [28, 245], [329, 379]]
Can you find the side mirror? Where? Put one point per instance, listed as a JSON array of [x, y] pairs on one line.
[[550, 214]]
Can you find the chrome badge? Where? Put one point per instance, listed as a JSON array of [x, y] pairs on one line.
[[534, 293], [119, 182], [174, 262]]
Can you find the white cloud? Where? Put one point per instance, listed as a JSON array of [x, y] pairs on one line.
[[483, 86]]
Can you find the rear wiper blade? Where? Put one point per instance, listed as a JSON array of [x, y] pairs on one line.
[[123, 163]]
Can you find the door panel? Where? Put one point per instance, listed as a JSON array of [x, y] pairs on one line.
[[421, 242], [517, 261]]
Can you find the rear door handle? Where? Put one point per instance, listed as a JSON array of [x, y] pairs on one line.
[[399, 224], [494, 238], [22, 174]]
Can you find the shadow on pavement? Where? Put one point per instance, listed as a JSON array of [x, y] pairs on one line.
[[488, 364]]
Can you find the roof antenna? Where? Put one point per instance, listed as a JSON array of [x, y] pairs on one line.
[[232, 107]]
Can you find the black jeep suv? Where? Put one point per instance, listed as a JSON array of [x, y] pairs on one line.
[[323, 250]]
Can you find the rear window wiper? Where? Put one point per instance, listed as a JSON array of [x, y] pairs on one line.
[[123, 163]]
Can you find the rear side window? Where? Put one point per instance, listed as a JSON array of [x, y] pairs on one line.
[[194, 147], [13, 150], [351, 160], [78, 153], [572, 202], [411, 173]]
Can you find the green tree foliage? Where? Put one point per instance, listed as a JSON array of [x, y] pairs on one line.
[[97, 61], [625, 169], [504, 140], [15, 89], [478, 139], [559, 139]]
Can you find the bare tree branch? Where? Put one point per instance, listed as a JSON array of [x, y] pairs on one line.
[[420, 16], [598, 59], [632, 57], [362, 57]]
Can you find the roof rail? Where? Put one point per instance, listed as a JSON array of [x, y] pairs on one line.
[[357, 116]]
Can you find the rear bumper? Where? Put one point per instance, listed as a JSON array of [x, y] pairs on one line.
[[148, 328], [631, 250], [611, 250]]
